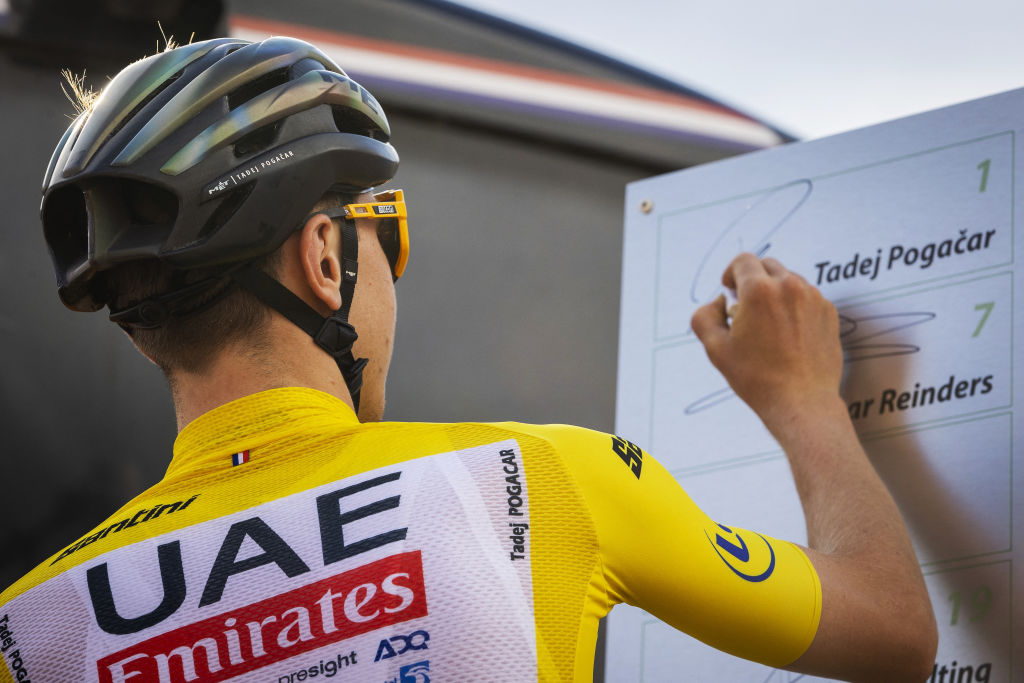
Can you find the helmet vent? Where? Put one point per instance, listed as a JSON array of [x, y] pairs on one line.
[[258, 86], [147, 205], [224, 211], [138, 107], [353, 121], [256, 141], [66, 226]]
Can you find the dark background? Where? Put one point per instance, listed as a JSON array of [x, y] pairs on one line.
[[508, 309]]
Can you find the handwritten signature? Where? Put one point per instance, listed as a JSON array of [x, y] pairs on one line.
[[752, 231], [863, 338]]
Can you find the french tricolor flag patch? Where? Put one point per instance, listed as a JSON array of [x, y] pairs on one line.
[[240, 458]]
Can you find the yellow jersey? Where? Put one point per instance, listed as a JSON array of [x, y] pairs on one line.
[[287, 541]]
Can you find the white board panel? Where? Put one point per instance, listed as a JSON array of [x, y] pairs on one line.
[[909, 228]]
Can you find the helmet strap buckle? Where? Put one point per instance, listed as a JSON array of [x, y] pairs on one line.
[[334, 334]]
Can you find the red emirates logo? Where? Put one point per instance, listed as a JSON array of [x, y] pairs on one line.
[[382, 593]]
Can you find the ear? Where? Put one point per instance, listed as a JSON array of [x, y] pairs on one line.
[[319, 247]]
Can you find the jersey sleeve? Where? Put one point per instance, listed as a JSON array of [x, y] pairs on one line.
[[740, 591]]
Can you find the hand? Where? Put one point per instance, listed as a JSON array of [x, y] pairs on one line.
[[781, 352]]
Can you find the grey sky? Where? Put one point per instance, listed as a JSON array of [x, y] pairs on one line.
[[812, 68]]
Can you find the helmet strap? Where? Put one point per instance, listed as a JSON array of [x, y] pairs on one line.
[[334, 334], [183, 299]]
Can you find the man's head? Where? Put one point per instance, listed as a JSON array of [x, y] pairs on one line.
[[171, 198]]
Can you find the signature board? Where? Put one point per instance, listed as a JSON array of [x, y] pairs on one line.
[[908, 227]]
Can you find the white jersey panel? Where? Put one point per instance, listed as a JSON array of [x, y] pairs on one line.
[[389, 576]]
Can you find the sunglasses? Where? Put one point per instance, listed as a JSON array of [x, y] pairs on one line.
[[393, 231]]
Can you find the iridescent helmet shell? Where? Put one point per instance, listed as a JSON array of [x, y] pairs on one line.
[[207, 154]]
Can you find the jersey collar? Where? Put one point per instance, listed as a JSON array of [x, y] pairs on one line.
[[255, 420]]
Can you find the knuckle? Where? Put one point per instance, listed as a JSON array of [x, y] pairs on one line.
[[744, 258], [760, 289], [793, 286]]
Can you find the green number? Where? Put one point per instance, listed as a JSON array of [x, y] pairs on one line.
[[955, 599], [981, 600], [983, 167], [987, 307]]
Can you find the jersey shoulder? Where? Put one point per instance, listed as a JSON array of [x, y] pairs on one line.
[[587, 447]]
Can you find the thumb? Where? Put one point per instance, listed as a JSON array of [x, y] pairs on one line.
[[710, 323]]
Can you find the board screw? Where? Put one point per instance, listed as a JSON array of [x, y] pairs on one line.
[[646, 206]]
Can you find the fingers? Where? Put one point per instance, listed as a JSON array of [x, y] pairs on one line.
[[774, 268], [744, 268], [710, 324]]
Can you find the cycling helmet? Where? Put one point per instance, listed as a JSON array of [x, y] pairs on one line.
[[211, 154]]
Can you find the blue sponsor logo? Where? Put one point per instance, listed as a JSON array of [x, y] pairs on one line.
[[733, 550], [398, 645], [415, 673]]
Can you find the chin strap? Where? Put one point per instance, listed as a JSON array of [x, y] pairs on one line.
[[334, 334]]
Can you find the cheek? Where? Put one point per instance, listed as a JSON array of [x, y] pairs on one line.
[[375, 293], [373, 307]]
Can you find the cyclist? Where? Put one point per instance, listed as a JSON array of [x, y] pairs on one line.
[[219, 199]]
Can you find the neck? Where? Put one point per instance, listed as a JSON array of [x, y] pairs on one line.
[[289, 358]]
